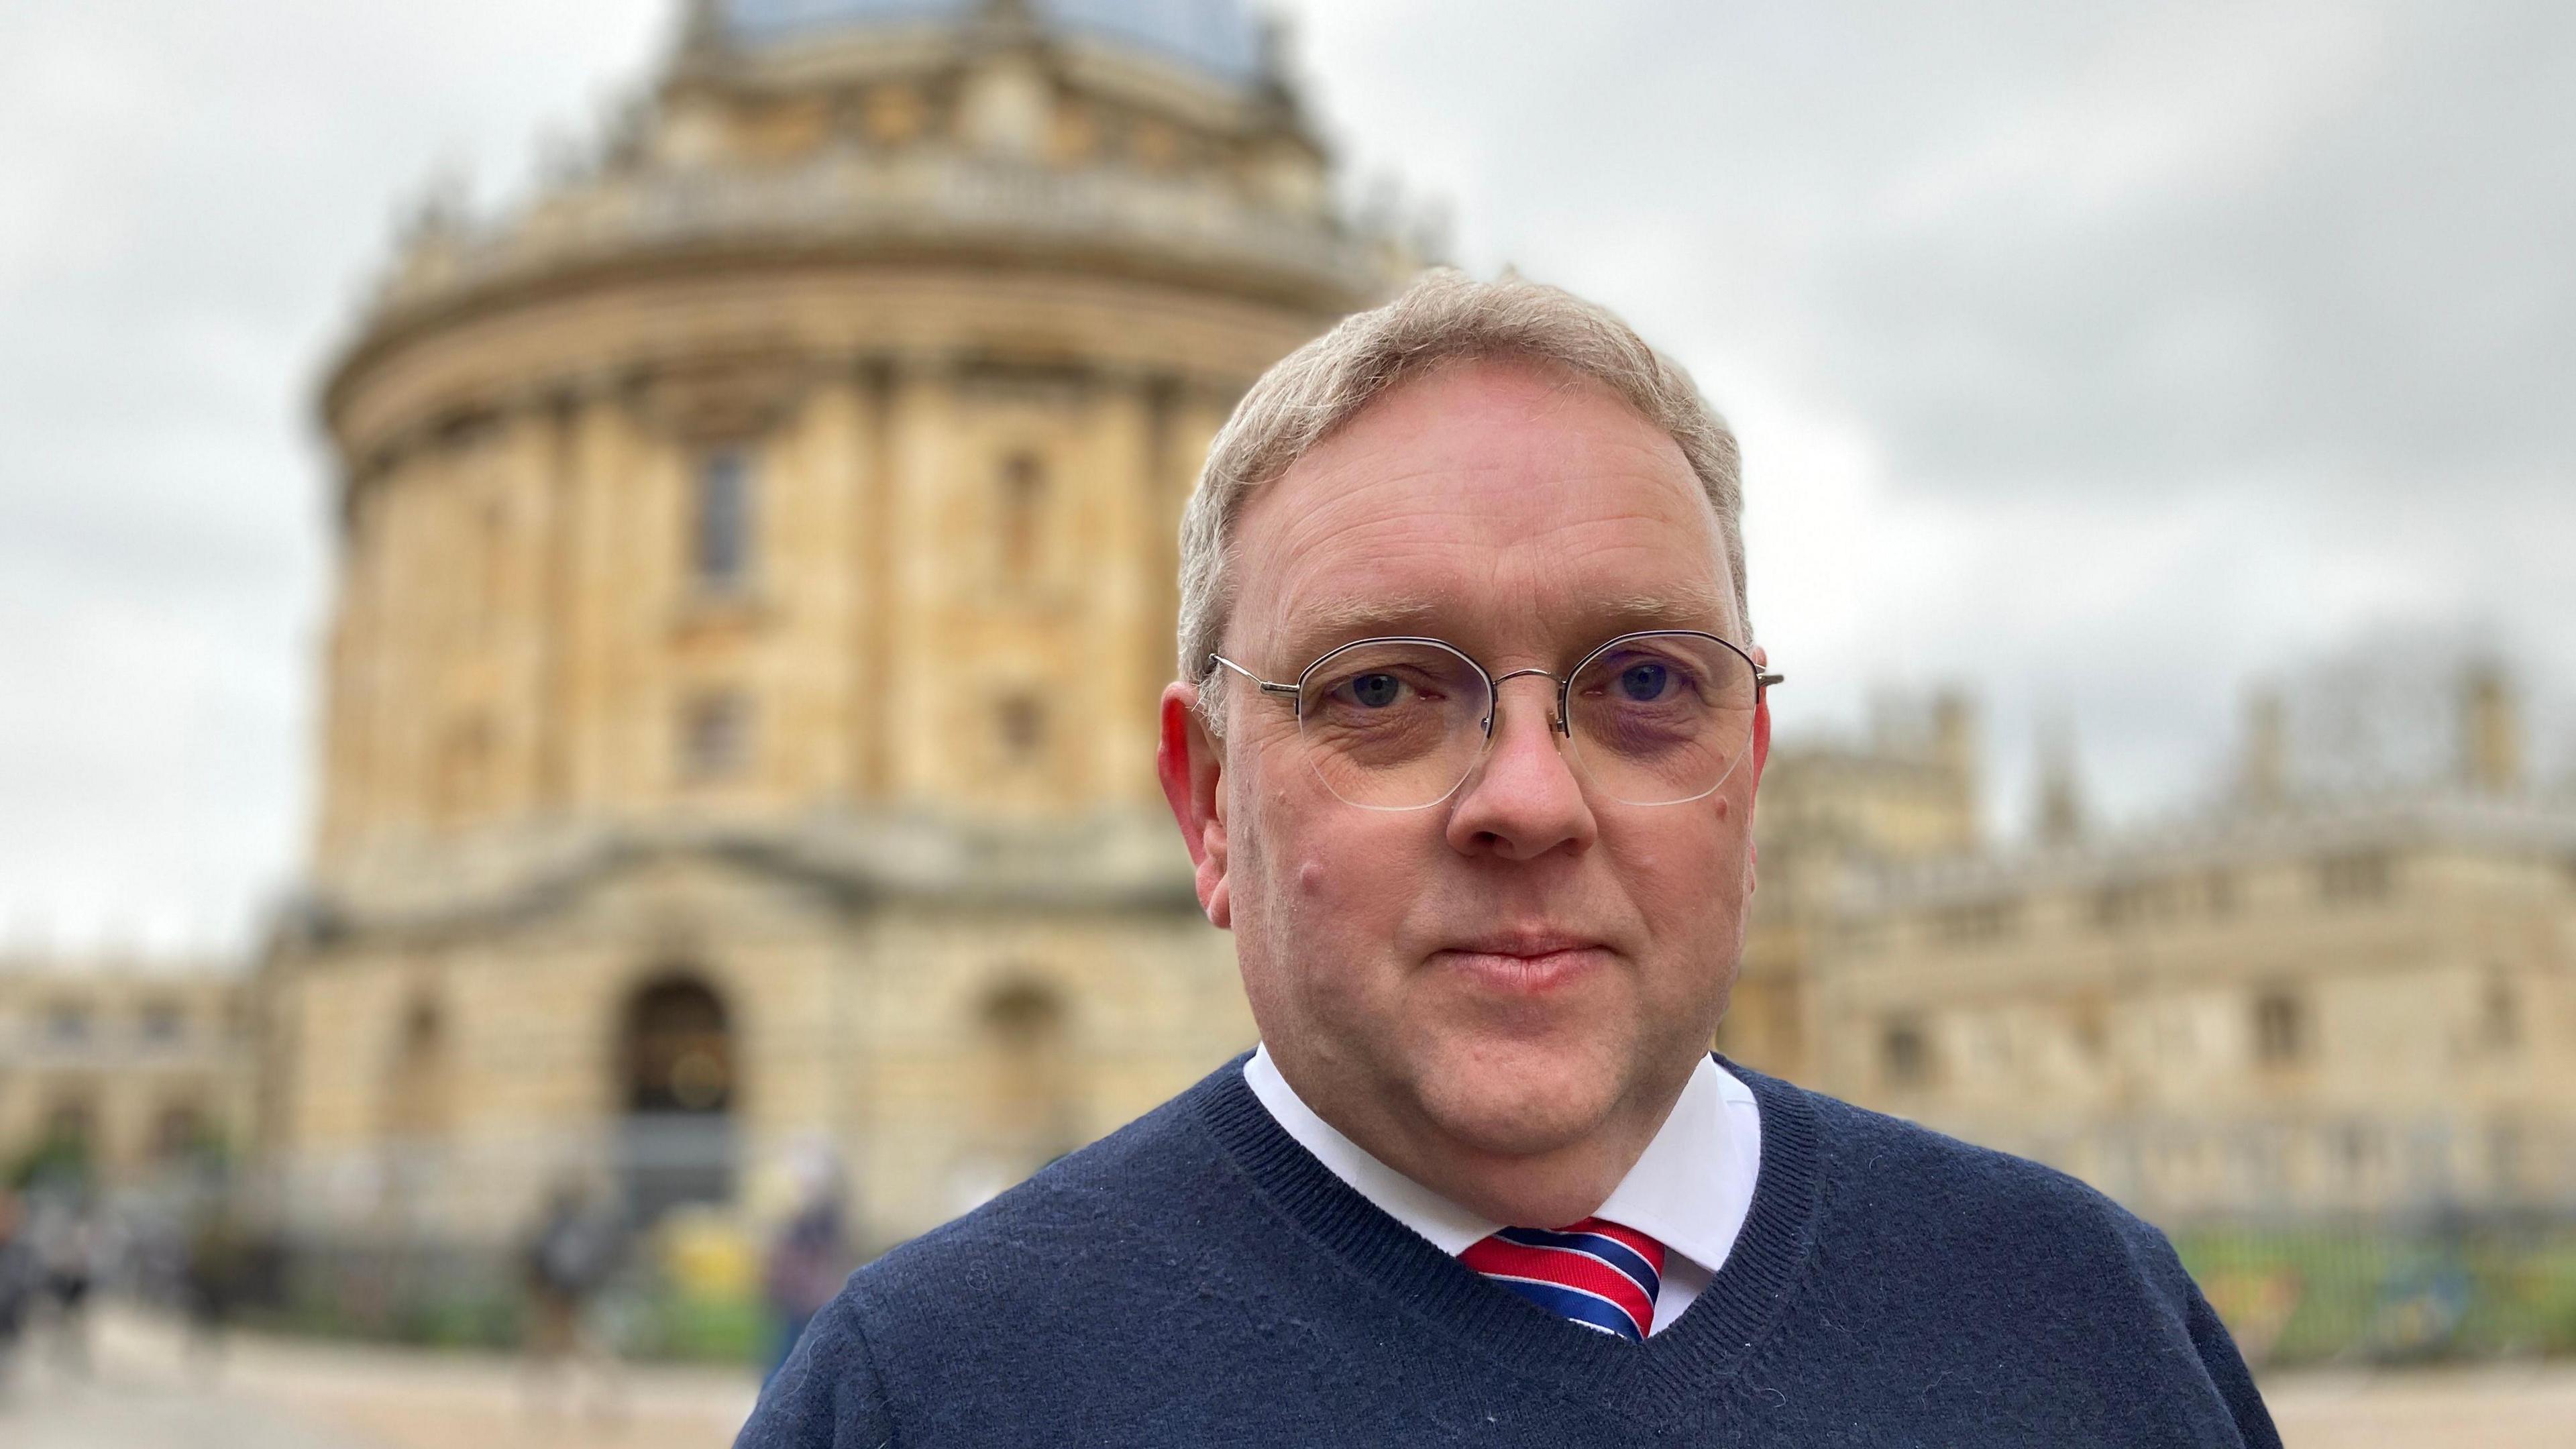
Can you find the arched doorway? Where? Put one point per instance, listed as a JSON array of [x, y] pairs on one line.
[[414, 1108], [676, 1079], [1021, 1089], [1032, 1115]]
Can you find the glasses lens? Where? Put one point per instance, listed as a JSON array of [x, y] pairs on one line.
[[1661, 718], [1393, 725]]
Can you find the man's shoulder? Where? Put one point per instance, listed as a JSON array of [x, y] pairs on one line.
[[1007, 1285], [1142, 1182], [1933, 1188], [1991, 1258]]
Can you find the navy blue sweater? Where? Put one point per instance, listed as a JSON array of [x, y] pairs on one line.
[[1199, 1278]]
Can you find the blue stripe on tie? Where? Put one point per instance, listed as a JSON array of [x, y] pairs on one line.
[[1590, 1310], [1609, 1250]]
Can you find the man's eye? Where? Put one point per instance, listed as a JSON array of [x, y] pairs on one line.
[[1645, 683], [1376, 691]]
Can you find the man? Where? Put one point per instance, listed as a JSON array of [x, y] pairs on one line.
[[1465, 753]]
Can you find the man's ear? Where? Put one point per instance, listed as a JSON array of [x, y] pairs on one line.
[[1191, 764]]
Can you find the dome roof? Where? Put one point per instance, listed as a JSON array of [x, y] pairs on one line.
[[1218, 36]]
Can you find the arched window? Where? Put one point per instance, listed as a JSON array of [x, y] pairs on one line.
[[715, 741], [71, 1126], [416, 1077], [491, 544], [2500, 1015], [179, 1131], [1020, 719], [2280, 1028], [1022, 511], [1032, 1111], [678, 1057], [1023, 1014], [1905, 1053], [724, 512]]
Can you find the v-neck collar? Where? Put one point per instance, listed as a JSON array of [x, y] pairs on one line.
[[1665, 1380]]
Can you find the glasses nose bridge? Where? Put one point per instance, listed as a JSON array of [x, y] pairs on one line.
[[1557, 723]]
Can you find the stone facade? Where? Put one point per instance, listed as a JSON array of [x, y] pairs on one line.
[[2357, 1001], [1902, 793], [757, 577], [129, 1069]]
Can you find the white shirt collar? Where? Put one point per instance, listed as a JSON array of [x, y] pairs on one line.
[[1690, 1189]]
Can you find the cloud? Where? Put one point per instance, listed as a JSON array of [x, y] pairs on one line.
[[198, 195], [2344, 279], [2102, 356]]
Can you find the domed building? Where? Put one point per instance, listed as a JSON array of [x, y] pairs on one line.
[[756, 579]]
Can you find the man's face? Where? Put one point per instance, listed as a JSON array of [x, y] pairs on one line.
[[1510, 971]]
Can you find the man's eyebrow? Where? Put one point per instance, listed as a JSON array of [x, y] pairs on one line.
[[1330, 623], [1693, 606], [1333, 622]]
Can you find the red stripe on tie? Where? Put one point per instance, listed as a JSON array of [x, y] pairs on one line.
[[1643, 1246], [1566, 1268]]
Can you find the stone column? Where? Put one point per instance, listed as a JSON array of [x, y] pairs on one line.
[[1118, 694], [916, 712]]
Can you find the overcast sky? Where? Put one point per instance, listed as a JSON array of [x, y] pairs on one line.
[[2105, 358]]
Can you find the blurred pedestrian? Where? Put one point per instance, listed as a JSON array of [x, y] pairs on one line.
[[19, 1278], [67, 1249], [807, 1262], [213, 1277], [576, 1248]]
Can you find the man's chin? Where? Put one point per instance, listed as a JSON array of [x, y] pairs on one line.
[[1501, 1109]]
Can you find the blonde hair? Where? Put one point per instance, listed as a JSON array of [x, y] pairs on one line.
[[1445, 316]]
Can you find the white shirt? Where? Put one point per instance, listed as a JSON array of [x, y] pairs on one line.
[[1689, 1190]]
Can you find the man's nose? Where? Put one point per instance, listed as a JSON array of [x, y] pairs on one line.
[[1523, 800]]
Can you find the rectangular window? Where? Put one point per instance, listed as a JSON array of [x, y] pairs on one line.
[[725, 512], [1022, 507], [2363, 876], [1977, 924], [1905, 1054], [715, 737], [2500, 1017], [163, 1021], [1021, 722], [2280, 1029], [2131, 903], [71, 1124]]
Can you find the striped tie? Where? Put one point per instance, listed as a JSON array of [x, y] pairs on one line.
[[1597, 1273]]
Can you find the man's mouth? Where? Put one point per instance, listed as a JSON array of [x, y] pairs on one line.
[[1525, 963]]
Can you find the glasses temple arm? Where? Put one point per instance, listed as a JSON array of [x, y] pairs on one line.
[[1266, 686]]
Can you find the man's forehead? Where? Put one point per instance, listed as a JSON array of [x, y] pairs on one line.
[[1485, 503]]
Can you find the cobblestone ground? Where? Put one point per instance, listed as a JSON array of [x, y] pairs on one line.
[[141, 1391], [2502, 1406]]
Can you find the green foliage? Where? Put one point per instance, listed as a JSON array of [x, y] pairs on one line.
[[56, 1162], [2312, 1295], [705, 1330], [645, 1319], [461, 1320]]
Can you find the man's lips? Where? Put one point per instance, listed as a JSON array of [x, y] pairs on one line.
[[1525, 967]]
